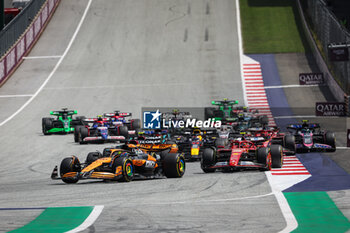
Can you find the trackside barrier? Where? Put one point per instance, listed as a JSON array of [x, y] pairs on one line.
[[336, 90], [12, 59]]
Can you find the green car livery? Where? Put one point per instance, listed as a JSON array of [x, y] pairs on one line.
[[64, 123]]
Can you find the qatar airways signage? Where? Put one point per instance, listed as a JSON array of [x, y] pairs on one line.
[[330, 109], [311, 79]]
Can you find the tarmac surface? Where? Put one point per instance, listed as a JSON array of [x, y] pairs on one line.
[[127, 55]]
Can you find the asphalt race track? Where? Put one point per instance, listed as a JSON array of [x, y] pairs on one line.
[[127, 55]]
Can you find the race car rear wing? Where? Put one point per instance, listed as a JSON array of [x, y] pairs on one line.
[[63, 111], [220, 102], [117, 113], [300, 126], [92, 120]]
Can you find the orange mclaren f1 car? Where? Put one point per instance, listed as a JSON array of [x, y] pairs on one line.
[[124, 163]]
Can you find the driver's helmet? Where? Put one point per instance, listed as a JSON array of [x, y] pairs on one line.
[[197, 132], [99, 121], [175, 111], [305, 124]]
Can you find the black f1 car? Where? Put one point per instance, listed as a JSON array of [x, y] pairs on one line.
[[310, 137], [100, 130]]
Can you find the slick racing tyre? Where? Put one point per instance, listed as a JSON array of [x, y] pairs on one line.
[[262, 157], [92, 157], [207, 160], [289, 143], [123, 131], [276, 156], [136, 124], [76, 133], [70, 164], [174, 165], [47, 124], [264, 120], [127, 168], [83, 132], [330, 140]]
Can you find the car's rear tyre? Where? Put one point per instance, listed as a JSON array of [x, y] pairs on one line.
[[76, 133], [264, 120], [128, 170], [330, 140], [92, 157], [208, 160], [276, 156], [289, 143], [174, 165], [47, 124], [70, 164], [123, 131], [136, 124], [83, 133]]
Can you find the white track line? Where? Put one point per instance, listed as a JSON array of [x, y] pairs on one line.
[[288, 215], [240, 47], [285, 209], [41, 57], [14, 96], [289, 86], [89, 220], [54, 69], [301, 116]]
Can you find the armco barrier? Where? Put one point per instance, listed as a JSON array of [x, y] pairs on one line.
[[336, 90], [12, 59]]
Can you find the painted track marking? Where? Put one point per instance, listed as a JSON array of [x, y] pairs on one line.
[[54, 69], [291, 166], [14, 96], [89, 220], [255, 91], [290, 86], [40, 57]]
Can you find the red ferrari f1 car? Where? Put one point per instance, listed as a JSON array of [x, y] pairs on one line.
[[242, 153]]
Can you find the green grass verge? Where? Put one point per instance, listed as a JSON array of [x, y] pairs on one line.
[[271, 26]]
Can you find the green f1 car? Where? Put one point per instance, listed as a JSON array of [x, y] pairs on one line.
[[225, 111], [64, 123]]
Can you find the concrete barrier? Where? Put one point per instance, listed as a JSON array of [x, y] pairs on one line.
[[13, 58], [334, 87]]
